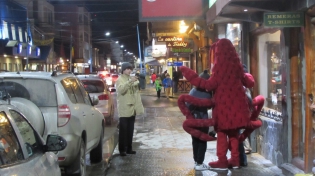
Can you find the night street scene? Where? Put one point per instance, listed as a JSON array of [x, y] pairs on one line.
[[157, 88]]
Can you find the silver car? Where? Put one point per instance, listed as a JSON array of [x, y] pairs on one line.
[[63, 107], [22, 149]]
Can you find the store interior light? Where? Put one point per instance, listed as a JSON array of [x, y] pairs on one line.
[[245, 10], [107, 33], [182, 27]]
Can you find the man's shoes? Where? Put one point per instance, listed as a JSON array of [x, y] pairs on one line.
[[123, 154], [201, 167], [131, 152]]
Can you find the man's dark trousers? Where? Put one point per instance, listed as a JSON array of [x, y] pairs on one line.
[[126, 127]]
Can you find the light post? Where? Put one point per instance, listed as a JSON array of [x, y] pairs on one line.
[[28, 37]]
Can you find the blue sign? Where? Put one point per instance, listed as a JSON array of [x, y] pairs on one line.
[[169, 63], [177, 64]]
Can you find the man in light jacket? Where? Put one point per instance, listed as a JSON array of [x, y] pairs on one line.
[[129, 105]]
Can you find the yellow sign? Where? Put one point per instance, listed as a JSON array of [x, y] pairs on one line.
[[43, 42]]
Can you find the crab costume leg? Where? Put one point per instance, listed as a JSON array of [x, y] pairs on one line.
[[191, 124], [258, 103]]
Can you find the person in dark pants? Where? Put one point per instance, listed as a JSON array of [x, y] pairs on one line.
[[129, 105], [175, 80], [200, 146]]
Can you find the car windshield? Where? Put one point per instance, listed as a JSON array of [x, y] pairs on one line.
[[93, 86]]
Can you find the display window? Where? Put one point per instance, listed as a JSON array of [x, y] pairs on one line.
[[270, 73]]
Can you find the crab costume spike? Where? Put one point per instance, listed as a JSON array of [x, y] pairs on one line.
[[230, 106]]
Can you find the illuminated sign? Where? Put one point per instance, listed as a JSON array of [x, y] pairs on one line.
[[177, 44], [181, 50], [169, 39], [37, 52], [284, 19], [19, 48]]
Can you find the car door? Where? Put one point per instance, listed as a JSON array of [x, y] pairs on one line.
[[93, 123], [38, 161], [21, 148]]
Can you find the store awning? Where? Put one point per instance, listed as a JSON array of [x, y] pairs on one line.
[[230, 11], [154, 63]]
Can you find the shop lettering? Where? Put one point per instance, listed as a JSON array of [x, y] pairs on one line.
[[284, 19], [284, 22], [181, 50], [176, 44], [169, 39], [290, 16]]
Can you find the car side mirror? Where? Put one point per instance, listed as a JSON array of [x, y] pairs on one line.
[[55, 143], [95, 100]]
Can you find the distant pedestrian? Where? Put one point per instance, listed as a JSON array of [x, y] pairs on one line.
[[200, 146], [153, 77], [158, 86], [128, 105], [175, 80], [163, 76], [167, 83]]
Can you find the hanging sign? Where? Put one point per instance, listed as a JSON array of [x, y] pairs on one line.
[[177, 44], [169, 39], [284, 19]]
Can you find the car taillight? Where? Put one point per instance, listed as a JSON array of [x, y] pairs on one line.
[[103, 97], [64, 115]]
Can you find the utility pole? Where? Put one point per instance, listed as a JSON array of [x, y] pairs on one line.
[[139, 48], [70, 52]]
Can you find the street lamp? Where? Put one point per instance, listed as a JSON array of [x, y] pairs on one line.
[[107, 34]]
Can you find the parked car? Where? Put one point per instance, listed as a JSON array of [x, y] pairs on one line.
[[60, 105], [22, 150], [96, 86]]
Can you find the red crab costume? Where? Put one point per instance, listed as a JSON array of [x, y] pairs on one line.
[[230, 104]]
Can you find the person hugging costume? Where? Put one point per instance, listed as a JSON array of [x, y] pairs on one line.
[[230, 111]]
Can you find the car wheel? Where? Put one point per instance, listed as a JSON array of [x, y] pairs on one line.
[[96, 154], [79, 162]]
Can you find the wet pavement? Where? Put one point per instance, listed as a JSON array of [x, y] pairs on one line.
[[164, 148]]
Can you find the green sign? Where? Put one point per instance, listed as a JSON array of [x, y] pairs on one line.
[[181, 50], [284, 19]]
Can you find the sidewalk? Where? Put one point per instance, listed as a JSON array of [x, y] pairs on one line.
[[150, 91], [164, 148]]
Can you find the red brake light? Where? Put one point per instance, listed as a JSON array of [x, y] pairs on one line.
[[103, 97], [64, 115]]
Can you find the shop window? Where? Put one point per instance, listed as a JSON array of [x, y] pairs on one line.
[[5, 33], [10, 67], [13, 32], [233, 33], [15, 67], [4, 66], [270, 71], [20, 34]]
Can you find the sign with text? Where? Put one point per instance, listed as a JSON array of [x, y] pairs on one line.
[[177, 44], [284, 19], [169, 39], [175, 63], [181, 50]]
